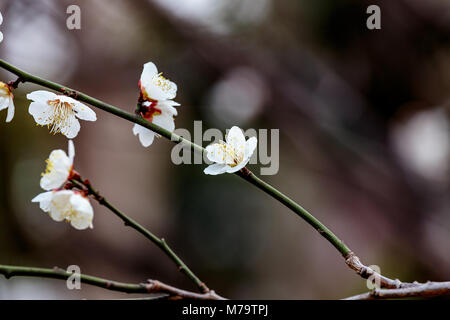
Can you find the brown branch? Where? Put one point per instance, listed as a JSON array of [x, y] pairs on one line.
[[155, 286], [365, 272], [429, 289]]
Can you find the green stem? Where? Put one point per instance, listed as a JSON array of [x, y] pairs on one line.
[[160, 242], [324, 231], [56, 273], [152, 286]]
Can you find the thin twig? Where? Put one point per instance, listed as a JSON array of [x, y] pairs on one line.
[[429, 289], [161, 243], [151, 286]]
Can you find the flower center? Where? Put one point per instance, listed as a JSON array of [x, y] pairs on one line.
[[6, 89], [162, 82], [231, 152], [150, 111], [50, 166], [61, 115]]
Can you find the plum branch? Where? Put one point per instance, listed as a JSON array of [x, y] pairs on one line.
[[85, 185], [151, 286]]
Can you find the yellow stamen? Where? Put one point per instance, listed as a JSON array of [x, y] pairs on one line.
[[48, 168], [229, 150], [162, 82], [61, 115]]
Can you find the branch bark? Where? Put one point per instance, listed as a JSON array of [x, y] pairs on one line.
[[429, 289]]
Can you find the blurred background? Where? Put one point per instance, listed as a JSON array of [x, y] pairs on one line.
[[364, 143]]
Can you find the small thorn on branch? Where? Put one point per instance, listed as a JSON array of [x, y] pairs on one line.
[[69, 93]]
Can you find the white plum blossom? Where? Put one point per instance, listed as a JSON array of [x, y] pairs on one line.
[[6, 100], [232, 155], [157, 106], [58, 112], [160, 113], [59, 168], [154, 86], [68, 205]]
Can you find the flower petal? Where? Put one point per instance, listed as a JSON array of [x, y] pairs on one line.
[[167, 106], [71, 151], [57, 172], [44, 200], [41, 96], [11, 109], [72, 127], [216, 168], [41, 112], [250, 146], [238, 167], [84, 213], [4, 101], [60, 205], [146, 136], [235, 138], [164, 121], [216, 153], [84, 112], [148, 72]]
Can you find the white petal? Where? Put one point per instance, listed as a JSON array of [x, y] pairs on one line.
[[11, 109], [216, 168], [216, 153], [84, 112], [146, 136], [164, 121], [4, 101], [250, 146], [71, 151], [60, 205], [157, 92], [41, 96], [72, 128], [41, 112], [167, 106], [84, 212], [236, 138], [148, 72], [44, 200], [59, 166], [237, 167]]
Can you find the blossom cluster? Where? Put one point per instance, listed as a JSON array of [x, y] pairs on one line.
[[63, 204], [61, 114]]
